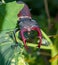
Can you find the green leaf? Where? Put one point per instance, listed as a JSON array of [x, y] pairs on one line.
[[8, 20], [8, 15]]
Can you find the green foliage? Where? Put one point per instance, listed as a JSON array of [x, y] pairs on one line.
[[12, 55], [8, 20], [8, 15]]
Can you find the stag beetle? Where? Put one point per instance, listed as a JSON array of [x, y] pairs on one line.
[[27, 24]]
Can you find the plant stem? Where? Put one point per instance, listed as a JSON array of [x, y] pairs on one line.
[[48, 15]]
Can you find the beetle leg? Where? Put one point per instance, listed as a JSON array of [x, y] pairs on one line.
[[23, 38], [39, 34], [14, 38]]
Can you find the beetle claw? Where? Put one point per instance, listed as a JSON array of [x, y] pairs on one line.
[[23, 38], [33, 28], [39, 34]]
